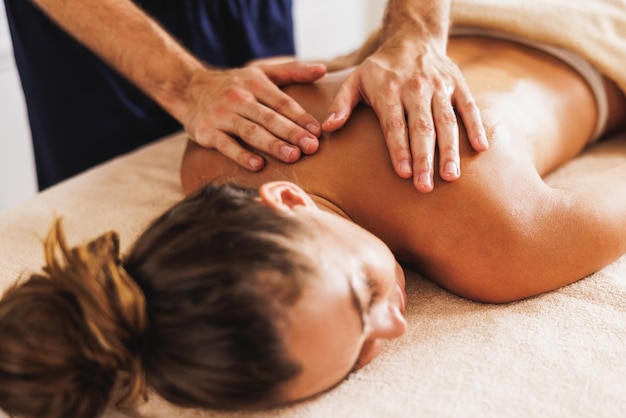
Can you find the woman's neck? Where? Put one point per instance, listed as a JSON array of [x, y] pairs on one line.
[[328, 206]]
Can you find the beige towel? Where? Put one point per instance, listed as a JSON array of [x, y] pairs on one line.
[[562, 354], [594, 29]]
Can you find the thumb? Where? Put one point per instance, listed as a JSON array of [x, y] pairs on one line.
[[346, 99], [293, 72]]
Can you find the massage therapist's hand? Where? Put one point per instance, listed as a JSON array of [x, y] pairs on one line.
[[215, 106], [414, 90], [247, 105]]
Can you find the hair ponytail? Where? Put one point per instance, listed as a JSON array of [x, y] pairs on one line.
[[66, 334]]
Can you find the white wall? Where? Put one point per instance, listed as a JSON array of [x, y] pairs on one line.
[[327, 28], [324, 29], [17, 168]]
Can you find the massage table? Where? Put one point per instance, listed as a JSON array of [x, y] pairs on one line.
[[561, 354]]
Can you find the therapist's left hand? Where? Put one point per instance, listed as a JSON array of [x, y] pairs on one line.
[[414, 90]]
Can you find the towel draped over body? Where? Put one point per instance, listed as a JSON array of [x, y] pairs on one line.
[[593, 29]]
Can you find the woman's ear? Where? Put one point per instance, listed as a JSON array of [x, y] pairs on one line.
[[284, 195]]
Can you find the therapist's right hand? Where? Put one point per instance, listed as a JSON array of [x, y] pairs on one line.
[[243, 110]]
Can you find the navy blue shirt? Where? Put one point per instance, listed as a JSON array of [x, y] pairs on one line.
[[81, 112]]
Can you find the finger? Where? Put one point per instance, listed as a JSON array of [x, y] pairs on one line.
[[294, 72], [300, 127], [470, 115], [261, 139], [422, 143], [393, 124], [281, 127], [447, 130], [346, 99], [230, 148]]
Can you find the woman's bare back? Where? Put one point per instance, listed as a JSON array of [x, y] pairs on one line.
[[538, 113]]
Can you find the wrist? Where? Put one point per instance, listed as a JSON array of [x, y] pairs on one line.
[[411, 46], [175, 93], [415, 37], [417, 23]]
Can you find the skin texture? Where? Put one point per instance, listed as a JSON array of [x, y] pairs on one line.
[[498, 234]]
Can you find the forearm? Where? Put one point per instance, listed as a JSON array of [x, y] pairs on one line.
[[132, 43], [405, 21], [417, 21]]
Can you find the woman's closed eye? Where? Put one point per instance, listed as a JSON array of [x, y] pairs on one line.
[[374, 293]]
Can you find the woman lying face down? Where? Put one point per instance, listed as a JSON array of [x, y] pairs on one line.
[[272, 282], [231, 299], [273, 290]]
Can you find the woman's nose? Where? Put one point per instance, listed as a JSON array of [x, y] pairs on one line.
[[387, 322]]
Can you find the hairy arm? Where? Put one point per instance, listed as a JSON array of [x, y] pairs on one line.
[[213, 105], [416, 23], [132, 43]]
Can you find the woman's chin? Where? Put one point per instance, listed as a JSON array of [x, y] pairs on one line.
[[369, 351]]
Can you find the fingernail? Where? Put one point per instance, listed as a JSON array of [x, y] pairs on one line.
[[424, 179], [287, 151], [483, 140], [405, 167], [309, 145], [331, 118], [451, 168], [313, 128], [255, 163]]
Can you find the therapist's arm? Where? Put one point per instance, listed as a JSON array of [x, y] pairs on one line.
[[214, 106], [414, 88]]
